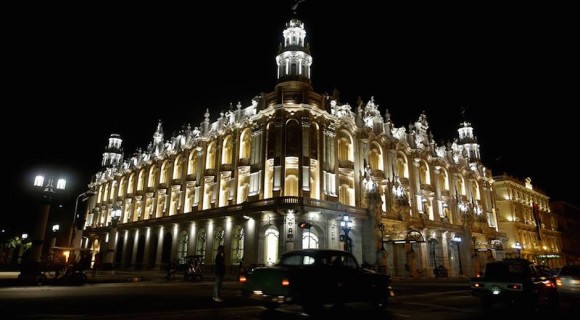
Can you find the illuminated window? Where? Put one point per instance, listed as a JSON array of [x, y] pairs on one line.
[[271, 248]]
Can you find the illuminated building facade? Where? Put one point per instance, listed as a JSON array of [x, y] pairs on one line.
[[293, 157], [524, 215]]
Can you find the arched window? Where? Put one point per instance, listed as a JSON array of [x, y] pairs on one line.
[[443, 180], [122, 186], [218, 239], [293, 139], [164, 172], [402, 167], [245, 144], [227, 150], [210, 159], [152, 173], [177, 168], [376, 157], [271, 247], [192, 163], [182, 244], [345, 148], [200, 243], [131, 184], [424, 174], [237, 245], [309, 239]]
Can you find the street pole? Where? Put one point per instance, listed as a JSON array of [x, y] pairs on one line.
[[75, 242]]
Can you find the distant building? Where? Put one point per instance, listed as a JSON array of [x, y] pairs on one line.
[[568, 216], [531, 227], [294, 157]]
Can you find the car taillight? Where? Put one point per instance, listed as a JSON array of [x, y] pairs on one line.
[[515, 286], [478, 285], [243, 279], [548, 283], [285, 282]]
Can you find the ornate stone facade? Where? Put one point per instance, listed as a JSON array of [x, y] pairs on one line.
[[248, 179]]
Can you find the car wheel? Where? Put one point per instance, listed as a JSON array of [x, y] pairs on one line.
[[380, 303], [40, 280]]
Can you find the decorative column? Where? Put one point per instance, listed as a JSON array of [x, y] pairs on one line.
[[110, 255]]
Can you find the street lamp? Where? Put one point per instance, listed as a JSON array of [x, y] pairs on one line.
[[47, 191], [457, 241], [346, 225], [78, 222], [518, 247]]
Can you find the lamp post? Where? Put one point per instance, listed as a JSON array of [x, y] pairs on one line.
[[346, 225], [110, 257], [47, 191], [518, 247], [78, 223], [457, 241]]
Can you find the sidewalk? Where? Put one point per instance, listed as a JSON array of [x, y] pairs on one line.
[[10, 278]]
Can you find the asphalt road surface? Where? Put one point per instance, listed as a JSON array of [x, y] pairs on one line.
[[429, 300]]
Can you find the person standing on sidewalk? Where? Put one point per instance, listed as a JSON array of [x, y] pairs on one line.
[[220, 270]]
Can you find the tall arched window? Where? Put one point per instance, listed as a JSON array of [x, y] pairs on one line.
[[218, 239], [152, 173], [424, 175], [245, 144], [227, 150], [210, 159], [182, 244], [376, 157], [164, 172], [402, 167], [192, 163], [271, 247], [131, 184], [122, 187], [200, 243], [177, 167], [237, 245], [443, 180]]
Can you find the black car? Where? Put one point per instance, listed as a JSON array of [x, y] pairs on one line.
[[315, 277], [516, 281]]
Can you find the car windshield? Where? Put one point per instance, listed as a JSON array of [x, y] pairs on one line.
[[328, 259], [505, 271]]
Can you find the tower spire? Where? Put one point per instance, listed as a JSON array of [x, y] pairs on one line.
[[293, 59]]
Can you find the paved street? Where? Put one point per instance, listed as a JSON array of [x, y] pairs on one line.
[[158, 298]]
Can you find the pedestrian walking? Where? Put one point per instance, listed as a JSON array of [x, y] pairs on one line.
[[220, 270]]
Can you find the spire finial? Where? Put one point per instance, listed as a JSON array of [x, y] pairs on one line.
[[296, 4]]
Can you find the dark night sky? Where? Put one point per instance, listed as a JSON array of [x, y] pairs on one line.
[[73, 75]]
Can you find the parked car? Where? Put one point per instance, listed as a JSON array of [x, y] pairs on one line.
[[312, 278], [516, 281], [569, 281]]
